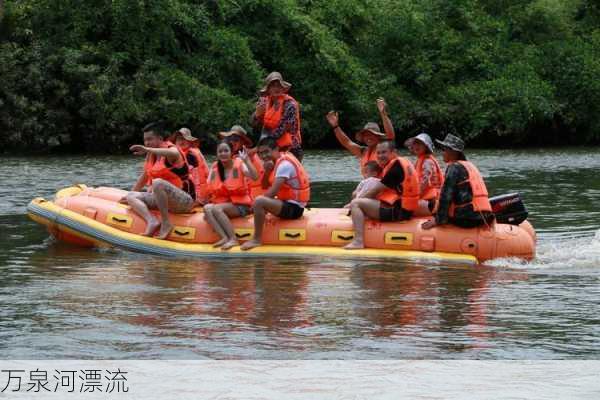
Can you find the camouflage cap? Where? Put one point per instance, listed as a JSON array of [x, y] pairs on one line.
[[452, 142]]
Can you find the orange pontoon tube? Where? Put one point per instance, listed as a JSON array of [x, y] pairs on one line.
[[93, 217]]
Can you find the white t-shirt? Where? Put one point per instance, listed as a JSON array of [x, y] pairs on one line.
[[286, 170]]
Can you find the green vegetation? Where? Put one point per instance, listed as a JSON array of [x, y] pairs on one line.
[[87, 74]]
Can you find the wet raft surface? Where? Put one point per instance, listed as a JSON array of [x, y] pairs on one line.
[[60, 301]]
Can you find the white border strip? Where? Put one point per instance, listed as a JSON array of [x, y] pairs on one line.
[[291, 380]]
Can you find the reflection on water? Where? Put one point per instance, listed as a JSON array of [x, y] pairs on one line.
[[58, 301]]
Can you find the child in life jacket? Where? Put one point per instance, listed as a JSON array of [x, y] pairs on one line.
[[371, 172]]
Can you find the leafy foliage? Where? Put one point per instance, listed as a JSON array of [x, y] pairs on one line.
[[86, 75]]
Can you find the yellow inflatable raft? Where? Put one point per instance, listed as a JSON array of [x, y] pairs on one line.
[[93, 217]]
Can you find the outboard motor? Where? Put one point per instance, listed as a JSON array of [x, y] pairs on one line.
[[509, 209]]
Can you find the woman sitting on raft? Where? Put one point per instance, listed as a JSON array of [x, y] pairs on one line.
[[167, 176], [369, 135], [229, 193], [464, 198], [237, 137], [189, 146], [428, 170]]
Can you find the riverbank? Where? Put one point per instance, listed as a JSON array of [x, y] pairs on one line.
[[86, 74]]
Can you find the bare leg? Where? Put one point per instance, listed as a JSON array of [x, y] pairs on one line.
[[140, 208], [169, 198], [222, 213], [162, 203], [262, 205], [423, 210], [212, 221], [361, 208]]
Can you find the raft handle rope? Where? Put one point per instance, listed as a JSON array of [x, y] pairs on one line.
[[342, 237], [119, 220], [399, 238], [292, 235], [242, 235], [181, 233]]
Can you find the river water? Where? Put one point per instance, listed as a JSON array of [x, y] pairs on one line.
[[58, 301]]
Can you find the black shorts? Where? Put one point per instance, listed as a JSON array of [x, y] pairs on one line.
[[393, 213], [290, 211]]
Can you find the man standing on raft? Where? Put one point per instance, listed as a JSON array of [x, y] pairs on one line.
[[395, 198], [289, 190], [167, 176], [369, 135], [279, 115], [464, 200]]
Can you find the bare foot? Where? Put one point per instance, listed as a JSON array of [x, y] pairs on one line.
[[230, 244], [354, 245], [151, 227], [250, 244], [220, 243], [165, 230]]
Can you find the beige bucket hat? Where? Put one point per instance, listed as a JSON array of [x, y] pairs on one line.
[[372, 128], [237, 130], [185, 133], [272, 77]]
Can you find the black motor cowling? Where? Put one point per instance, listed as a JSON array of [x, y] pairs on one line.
[[509, 209]]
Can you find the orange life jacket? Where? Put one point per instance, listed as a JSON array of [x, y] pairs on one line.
[[233, 190], [409, 198], [198, 171], [436, 181], [274, 114], [481, 201], [286, 192], [159, 167], [368, 154]]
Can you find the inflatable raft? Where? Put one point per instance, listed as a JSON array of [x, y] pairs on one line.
[[90, 217]]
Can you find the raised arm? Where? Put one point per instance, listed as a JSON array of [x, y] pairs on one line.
[[352, 147], [250, 170], [388, 127], [170, 153]]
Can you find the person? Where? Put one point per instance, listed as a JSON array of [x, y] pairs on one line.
[[395, 198], [372, 172], [166, 174], [278, 115], [229, 193], [289, 188], [238, 138], [369, 135], [198, 168], [464, 200], [428, 170]]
